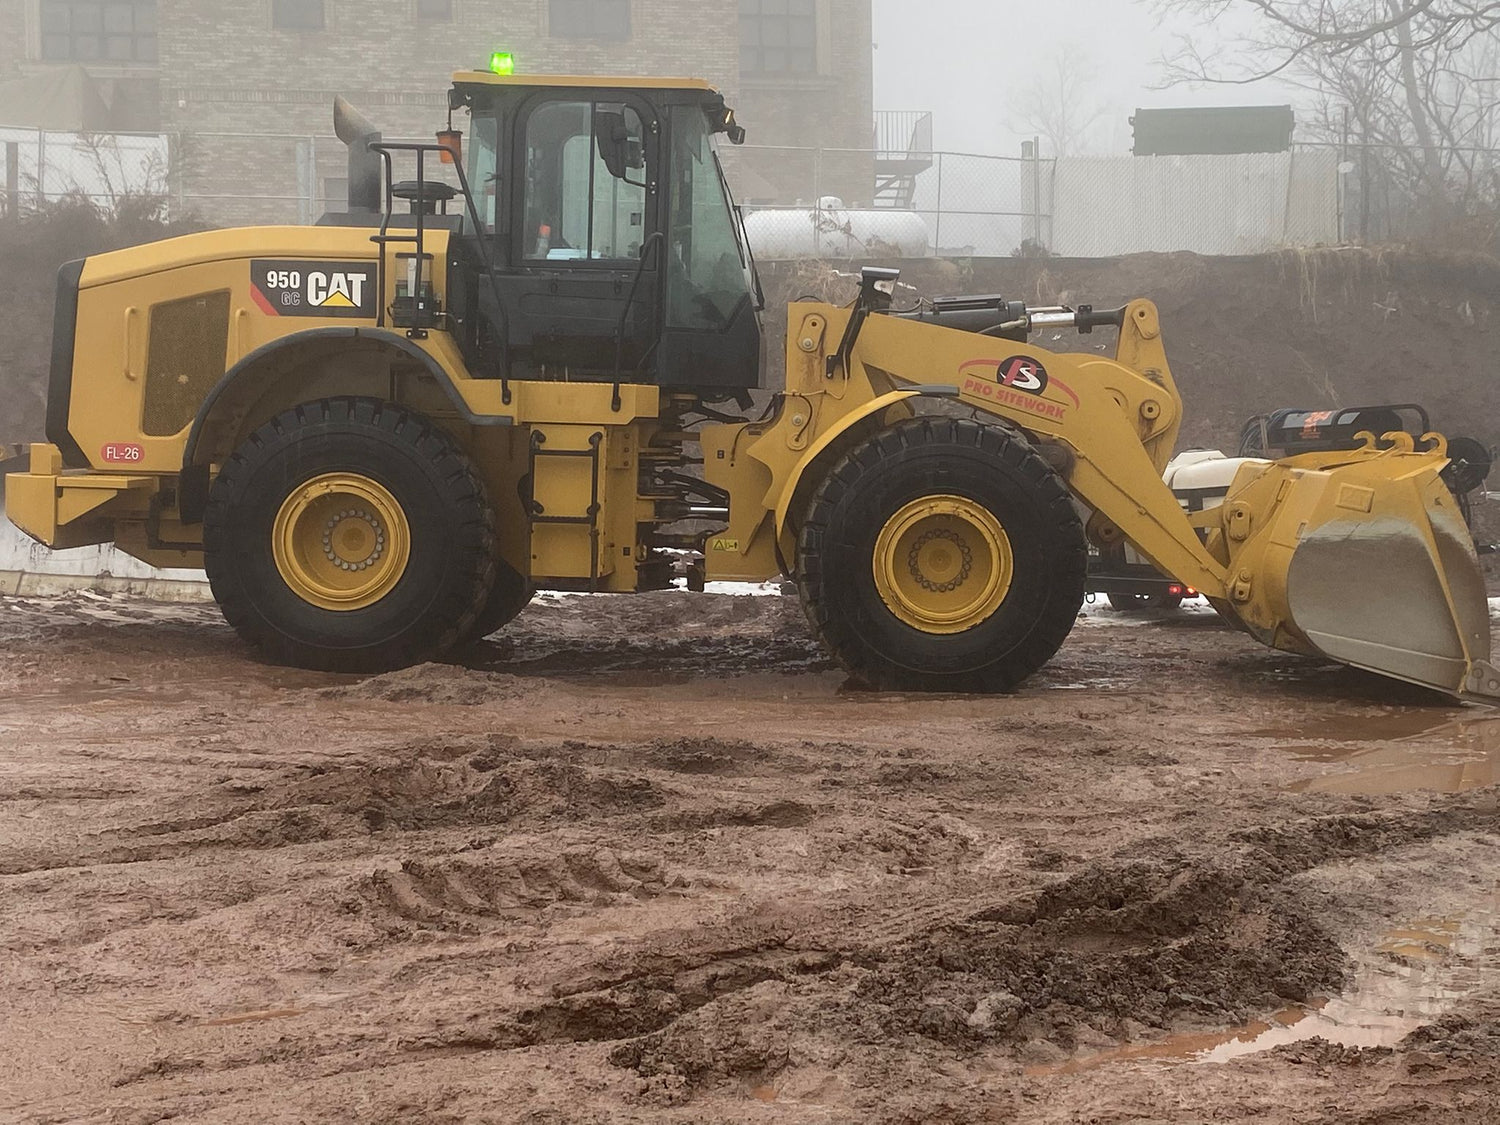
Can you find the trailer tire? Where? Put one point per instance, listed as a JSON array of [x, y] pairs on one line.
[[350, 535], [942, 554]]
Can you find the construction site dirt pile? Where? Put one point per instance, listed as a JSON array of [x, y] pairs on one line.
[[653, 859]]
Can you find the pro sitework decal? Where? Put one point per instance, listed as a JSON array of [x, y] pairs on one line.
[[338, 289], [1020, 381], [1024, 374]]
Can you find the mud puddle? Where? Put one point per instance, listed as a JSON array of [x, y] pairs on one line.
[[1450, 757], [1325, 738], [1416, 973]]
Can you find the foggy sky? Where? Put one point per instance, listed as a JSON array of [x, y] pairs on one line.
[[970, 61]]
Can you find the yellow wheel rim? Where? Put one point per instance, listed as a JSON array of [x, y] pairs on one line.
[[341, 542], [943, 564]]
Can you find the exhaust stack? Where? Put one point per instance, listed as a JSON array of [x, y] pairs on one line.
[[356, 131]]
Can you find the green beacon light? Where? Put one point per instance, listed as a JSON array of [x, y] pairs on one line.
[[503, 63]]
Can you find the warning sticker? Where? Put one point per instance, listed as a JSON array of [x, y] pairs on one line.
[[325, 289]]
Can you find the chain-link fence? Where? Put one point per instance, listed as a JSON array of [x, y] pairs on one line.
[[887, 202], [1386, 194], [969, 205], [38, 166], [988, 206]]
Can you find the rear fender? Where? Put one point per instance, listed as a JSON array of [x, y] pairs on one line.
[[276, 376]]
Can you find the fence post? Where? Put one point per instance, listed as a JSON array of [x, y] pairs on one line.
[[1052, 206], [41, 168], [937, 226], [1032, 150], [13, 178], [305, 189], [1364, 193], [1036, 190]]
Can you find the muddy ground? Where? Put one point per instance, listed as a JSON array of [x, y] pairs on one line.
[[651, 859]]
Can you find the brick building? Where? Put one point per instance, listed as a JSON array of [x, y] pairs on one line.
[[245, 87]]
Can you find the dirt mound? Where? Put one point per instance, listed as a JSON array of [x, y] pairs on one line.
[[434, 683], [1136, 943], [665, 633], [482, 788], [1126, 943], [703, 755], [1469, 1036]]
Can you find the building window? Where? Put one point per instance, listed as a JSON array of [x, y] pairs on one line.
[[297, 15], [435, 11], [778, 37], [589, 19], [98, 30]]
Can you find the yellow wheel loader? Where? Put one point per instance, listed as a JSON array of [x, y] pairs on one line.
[[382, 433]]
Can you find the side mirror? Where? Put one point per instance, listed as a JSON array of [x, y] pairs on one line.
[[619, 150]]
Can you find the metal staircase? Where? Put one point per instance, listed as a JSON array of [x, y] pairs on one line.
[[903, 151]]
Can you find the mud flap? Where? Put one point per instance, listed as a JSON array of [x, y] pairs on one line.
[[1395, 589]]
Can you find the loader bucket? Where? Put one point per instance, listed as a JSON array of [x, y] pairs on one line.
[[1364, 558]]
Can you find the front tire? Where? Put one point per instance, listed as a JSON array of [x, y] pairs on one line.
[[508, 596], [942, 555], [349, 535]]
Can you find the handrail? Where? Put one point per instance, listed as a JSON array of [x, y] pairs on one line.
[[385, 148]]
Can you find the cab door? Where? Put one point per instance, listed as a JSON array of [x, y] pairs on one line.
[[581, 221]]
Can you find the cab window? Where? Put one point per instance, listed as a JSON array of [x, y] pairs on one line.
[[483, 172], [706, 268], [585, 193]]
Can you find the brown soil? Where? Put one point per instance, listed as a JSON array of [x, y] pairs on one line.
[[652, 859]]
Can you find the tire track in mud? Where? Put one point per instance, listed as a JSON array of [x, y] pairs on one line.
[[1214, 932], [1217, 935], [485, 863], [429, 784]]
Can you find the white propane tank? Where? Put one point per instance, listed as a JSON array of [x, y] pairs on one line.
[[831, 230], [1201, 477]]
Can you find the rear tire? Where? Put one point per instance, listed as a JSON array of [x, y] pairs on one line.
[[349, 535], [508, 596], [942, 555]]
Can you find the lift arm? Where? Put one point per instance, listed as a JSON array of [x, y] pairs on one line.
[[1117, 418]]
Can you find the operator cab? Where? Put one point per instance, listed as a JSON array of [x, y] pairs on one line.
[[617, 251]]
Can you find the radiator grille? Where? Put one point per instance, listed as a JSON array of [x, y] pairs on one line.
[[184, 359]]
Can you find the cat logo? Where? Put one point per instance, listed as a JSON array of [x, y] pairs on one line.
[[325, 289], [724, 546], [336, 290]]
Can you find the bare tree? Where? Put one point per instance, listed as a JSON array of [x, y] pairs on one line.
[[1414, 75], [1062, 106], [1289, 31]]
